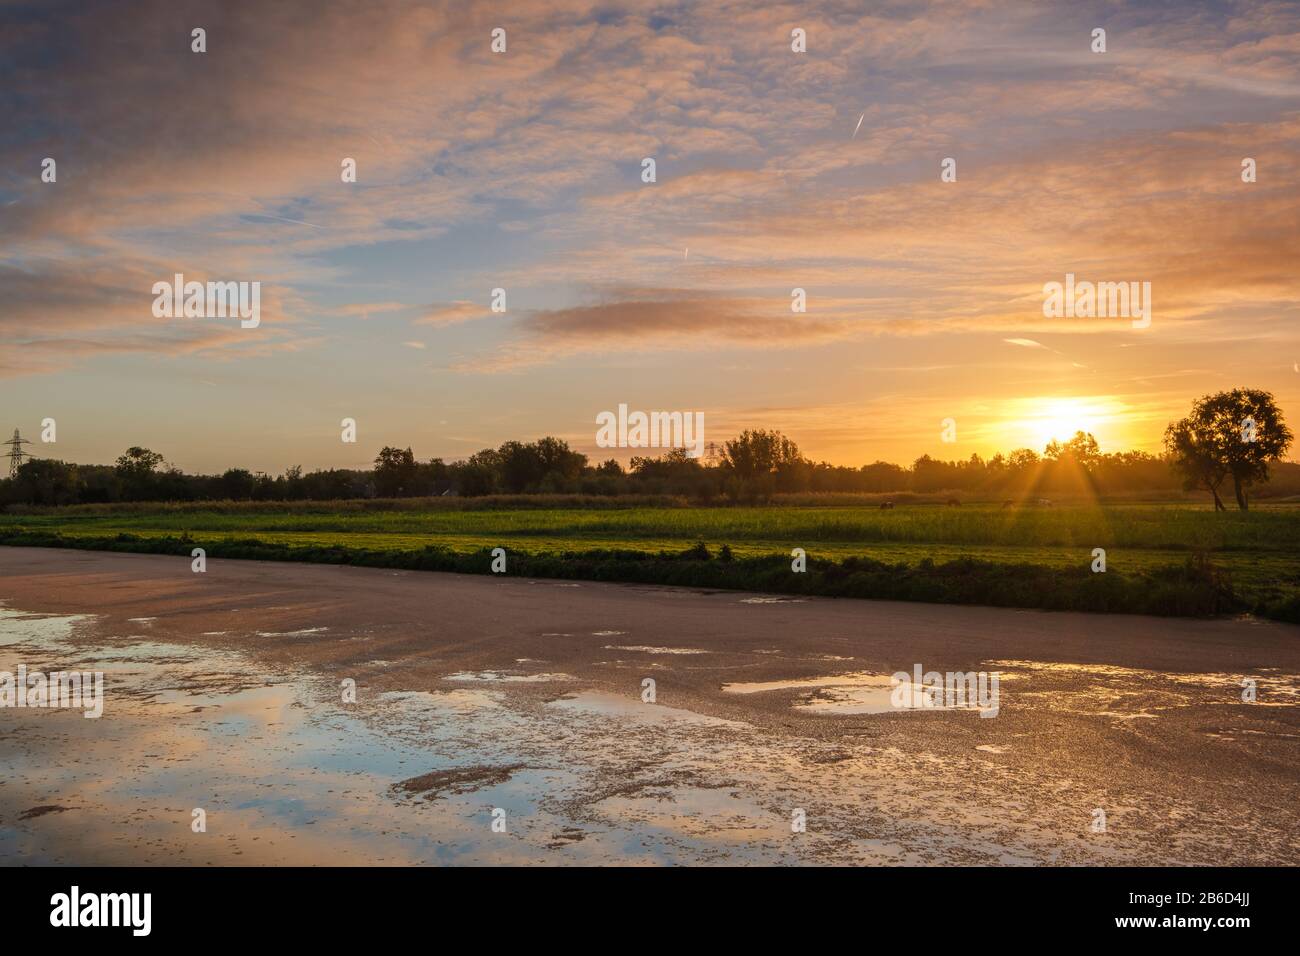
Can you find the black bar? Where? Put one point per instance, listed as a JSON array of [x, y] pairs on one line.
[[299, 905]]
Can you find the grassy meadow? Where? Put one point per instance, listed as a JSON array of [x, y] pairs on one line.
[[1030, 555]]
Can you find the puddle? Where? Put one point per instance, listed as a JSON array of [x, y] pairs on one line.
[[841, 680], [17, 627], [500, 677], [877, 699], [855, 694], [1126, 694], [646, 649], [287, 774], [768, 599], [612, 705], [462, 701]]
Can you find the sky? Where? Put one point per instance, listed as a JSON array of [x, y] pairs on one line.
[[523, 170]]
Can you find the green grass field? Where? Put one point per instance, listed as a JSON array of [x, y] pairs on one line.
[[1257, 552]]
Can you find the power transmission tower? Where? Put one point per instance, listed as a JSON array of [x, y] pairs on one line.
[[16, 453]]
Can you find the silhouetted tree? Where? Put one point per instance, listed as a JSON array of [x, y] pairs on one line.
[[237, 484], [755, 459], [395, 472], [1193, 456], [138, 471], [43, 481], [1238, 432]]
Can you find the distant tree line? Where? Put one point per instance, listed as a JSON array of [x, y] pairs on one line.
[[1233, 437]]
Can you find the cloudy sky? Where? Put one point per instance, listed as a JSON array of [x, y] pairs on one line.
[[523, 171]]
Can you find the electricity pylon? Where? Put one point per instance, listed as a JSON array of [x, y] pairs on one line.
[[16, 453]]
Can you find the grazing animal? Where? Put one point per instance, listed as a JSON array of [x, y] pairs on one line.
[[886, 505], [953, 501], [1044, 502], [1008, 503]]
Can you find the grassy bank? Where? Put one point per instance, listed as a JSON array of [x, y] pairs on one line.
[[1161, 558], [1195, 588]]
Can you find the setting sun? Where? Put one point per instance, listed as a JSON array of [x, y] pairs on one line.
[[1034, 422], [1062, 418]]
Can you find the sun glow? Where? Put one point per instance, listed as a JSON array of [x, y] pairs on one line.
[[1061, 419], [1037, 421]]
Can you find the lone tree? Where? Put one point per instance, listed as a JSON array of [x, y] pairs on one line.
[[1228, 435]]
